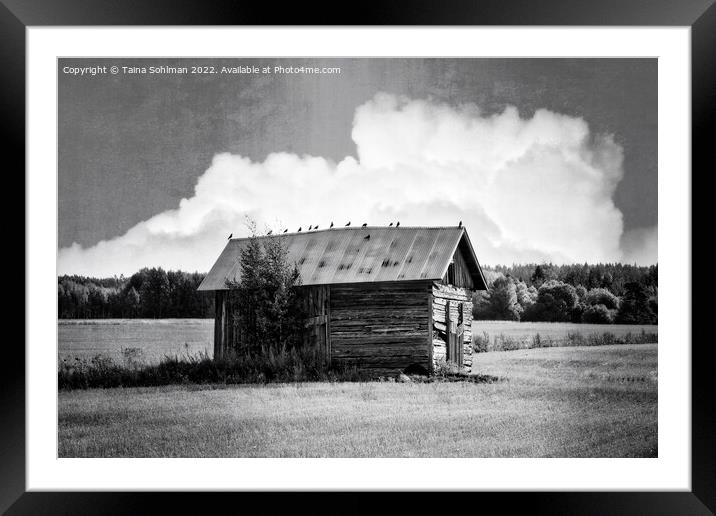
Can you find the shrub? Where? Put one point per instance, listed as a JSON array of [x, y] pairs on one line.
[[536, 341], [598, 314], [608, 338], [481, 343], [555, 302], [526, 296], [504, 342], [267, 311], [578, 312], [581, 292], [544, 342], [602, 296], [444, 368], [283, 365]]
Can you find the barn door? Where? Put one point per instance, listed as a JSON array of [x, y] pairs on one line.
[[317, 305], [455, 329], [317, 335]]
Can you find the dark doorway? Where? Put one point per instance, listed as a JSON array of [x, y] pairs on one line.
[[454, 333]]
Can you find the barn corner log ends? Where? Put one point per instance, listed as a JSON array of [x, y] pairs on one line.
[[397, 300]]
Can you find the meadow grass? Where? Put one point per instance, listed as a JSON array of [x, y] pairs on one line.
[[264, 366], [551, 402], [153, 339], [556, 330], [484, 342]]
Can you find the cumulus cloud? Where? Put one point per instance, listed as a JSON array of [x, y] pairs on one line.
[[535, 189]]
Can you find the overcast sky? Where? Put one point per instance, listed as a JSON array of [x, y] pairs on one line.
[[543, 159]]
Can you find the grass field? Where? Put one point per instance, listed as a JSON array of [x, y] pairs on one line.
[[506, 335], [155, 338], [552, 402], [526, 330]]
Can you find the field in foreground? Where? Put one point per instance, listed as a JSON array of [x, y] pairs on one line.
[[553, 402]]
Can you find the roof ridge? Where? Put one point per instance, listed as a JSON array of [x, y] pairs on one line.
[[343, 228]]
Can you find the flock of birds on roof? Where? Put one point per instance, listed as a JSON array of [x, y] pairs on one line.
[[314, 228]]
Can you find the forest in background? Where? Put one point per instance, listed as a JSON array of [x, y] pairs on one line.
[[150, 293], [599, 293]]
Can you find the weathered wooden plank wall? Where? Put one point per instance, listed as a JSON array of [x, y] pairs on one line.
[[316, 303], [461, 274], [380, 327], [223, 328]]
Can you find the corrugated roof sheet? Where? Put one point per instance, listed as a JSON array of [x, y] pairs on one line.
[[357, 255]]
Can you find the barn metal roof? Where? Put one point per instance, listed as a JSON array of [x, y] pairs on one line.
[[358, 255]]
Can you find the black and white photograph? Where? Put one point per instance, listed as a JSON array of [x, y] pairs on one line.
[[357, 257]]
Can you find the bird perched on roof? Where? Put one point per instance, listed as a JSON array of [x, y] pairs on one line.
[[398, 224], [299, 230], [285, 230], [230, 236], [367, 237], [315, 227], [390, 225], [331, 225], [365, 224], [349, 223], [310, 227], [460, 225]]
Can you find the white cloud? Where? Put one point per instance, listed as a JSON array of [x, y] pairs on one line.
[[527, 189]]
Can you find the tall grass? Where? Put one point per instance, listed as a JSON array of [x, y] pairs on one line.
[[501, 342], [283, 365]]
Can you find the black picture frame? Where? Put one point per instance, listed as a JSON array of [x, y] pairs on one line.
[[700, 15]]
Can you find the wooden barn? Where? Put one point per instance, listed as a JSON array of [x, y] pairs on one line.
[[382, 298]]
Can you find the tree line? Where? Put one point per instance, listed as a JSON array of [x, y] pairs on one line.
[[150, 293], [601, 293]]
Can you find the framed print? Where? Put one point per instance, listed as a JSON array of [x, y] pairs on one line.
[[414, 253]]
